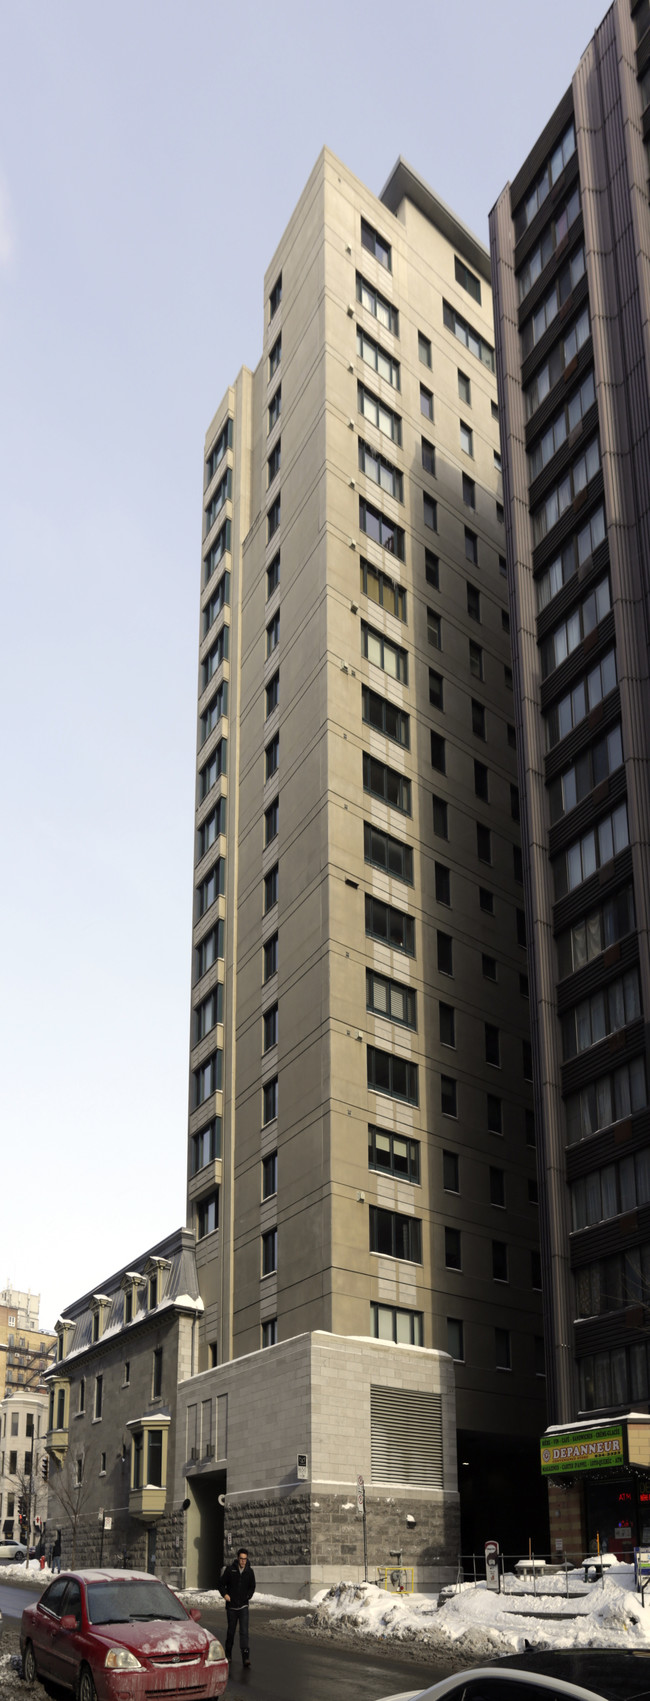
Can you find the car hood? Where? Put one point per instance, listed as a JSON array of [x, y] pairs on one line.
[[154, 1636]]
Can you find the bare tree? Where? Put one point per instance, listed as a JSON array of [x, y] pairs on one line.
[[71, 1485], [31, 1494]]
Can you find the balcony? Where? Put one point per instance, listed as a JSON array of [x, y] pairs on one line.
[[146, 1503]]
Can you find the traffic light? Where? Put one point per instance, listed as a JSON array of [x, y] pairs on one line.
[[45, 1466]]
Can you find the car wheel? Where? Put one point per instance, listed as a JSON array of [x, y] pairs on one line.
[[30, 1673], [86, 1688]]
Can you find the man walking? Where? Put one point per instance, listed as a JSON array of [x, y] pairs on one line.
[[237, 1585]]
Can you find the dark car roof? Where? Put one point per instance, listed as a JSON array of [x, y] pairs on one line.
[[620, 1674]]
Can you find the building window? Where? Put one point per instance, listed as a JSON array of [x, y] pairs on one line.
[[273, 693], [270, 1332], [273, 576], [392, 1075], [469, 491], [430, 513], [564, 493], [440, 818], [492, 1045], [212, 828], [474, 603], [395, 1236], [549, 174], [272, 757], [448, 1095], [382, 590], [99, 1394], [273, 462], [376, 304], [464, 388], [575, 553], [603, 926], [436, 688], [527, 1059], [467, 279], [382, 530], [476, 669], [390, 1323], [269, 1252], [393, 1154], [377, 358], [393, 927], [273, 518], [496, 456], [206, 1145], [216, 552], [583, 697], [494, 1116], [207, 1215], [452, 1249], [376, 245], [387, 853], [497, 1188], [208, 1013], [432, 569], [566, 637], [389, 657], [156, 1374], [455, 1339], [275, 408], [271, 821], [450, 1172], [548, 308], [217, 707], [378, 414], [424, 349], [214, 659], [443, 883], [210, 888], [269, 1101], [426, 402], [438, 760], [271, 888], [275, 297], [270, 1175], [467, 445], [209, 950], [219, 600], [391, 999], [275, 356], [478, 717], [445, 953], [481, 781], [273, 634], [207, 1078], [502, 1349], [271, 956], [428, 457], [270, 1027], [591, 852], [383, 782], [217, 452], [465, 333], [221, 495], [536, 1273], [447, 1021], [381, 471], [499, 1261], [471, 554]]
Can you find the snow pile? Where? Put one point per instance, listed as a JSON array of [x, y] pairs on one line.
[[477, 1624], [212, 1598], [23, 1573]]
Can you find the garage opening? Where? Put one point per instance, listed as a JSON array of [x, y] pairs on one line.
[[205, 1530]]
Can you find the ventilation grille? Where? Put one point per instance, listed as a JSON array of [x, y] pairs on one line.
[[406, 1437]]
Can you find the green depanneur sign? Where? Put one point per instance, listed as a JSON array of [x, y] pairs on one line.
[[582, 1450]]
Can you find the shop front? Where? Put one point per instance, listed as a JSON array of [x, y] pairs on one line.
[[598, 1478]]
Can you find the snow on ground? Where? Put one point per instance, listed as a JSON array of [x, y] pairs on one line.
[[23, 1573], [212, 1598], [477, 1624]]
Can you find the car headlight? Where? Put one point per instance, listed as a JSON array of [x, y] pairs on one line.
[[121, 1659], [215, 1653]]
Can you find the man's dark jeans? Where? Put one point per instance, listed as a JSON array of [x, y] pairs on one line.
[[237, 1616]]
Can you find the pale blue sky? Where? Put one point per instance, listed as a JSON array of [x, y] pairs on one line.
[[150, 156]]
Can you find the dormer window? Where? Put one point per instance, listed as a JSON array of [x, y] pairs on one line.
[[156, 1273], [63, 1328], [100, 1307], [132, 1281]]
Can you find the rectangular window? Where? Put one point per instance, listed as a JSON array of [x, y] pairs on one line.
[[269, 1101], [467, 279], [217, 452], [521, 929], [214, 658], [440, 818], [269, 1252], [426, 403], [434, 629], [275, 297], [271, 888], [464, 388], [385, 783], [392, 1323], [448, 1095], [271, 821], [274, 461], [390, 998], [382, 530], [443, 883], [575, 554], [593, 766], [499, 1261], [481, 781], [209, 949], [438, 756], [564, 493], [270, 1175], [211, 887], [527, 1059], [475, 667], [213, 769], [99, 1395], [432, 569], [273, 634], [206, 1145], [447, 1019], [381, 471], [392, 1075], [469, 491], [377, 358], [376, 304], [211, 828], [156, 1373], [270, 1028], [450, 1172], [591, 852], [273, 518], [207, 1079], [381, 589], [478, 717], [445, 953], [554, 165], [275, 408], [272, 757], [391, 658], [424, 349], [430, 513], [218, 601], [208, 1013], [273, 575], [275, 356], [220, 496], [483, 843], [273, 693], [216, 552], [393, 1154], [548, 308], [502, 1349], [455, 1339], [474, 603], [602, 927], [378, 414], [428, 457], [435, 688], [514, 803], [467, 445], [566, 637], [270, 1332], [536, 1270], [489, 967], [452, 1249], [271, 956], [382, 851], [604, 1012], [395, 1236], [391, 926], [497, 1187], [217, 707], [562, 425], [494, 1114], [376, 245], [465, 333]]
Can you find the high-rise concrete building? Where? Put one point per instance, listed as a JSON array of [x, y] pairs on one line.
[[570, 248], [361, 1137]]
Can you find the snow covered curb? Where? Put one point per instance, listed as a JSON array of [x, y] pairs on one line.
[[478, 1625], [26, 1573], [212, 1598]]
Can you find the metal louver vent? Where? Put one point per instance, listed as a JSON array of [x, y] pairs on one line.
[[406, 1437]]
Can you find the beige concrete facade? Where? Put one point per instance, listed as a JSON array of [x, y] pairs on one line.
[[339, 322]]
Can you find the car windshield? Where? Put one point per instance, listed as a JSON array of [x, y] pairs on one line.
[[121, 1603]]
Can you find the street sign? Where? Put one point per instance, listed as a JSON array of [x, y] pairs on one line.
[[108, 1523], [302, 1467], [360, 1494], [641, 1565], [492, 1573]]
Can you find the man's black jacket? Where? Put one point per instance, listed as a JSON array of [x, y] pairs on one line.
[[240, 1585]]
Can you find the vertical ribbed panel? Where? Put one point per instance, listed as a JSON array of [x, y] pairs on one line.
[[406, 1437]]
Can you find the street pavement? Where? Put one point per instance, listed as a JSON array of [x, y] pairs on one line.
[[284, 1668]]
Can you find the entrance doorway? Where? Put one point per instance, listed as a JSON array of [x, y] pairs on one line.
[[612, 1516], [205, 1530]]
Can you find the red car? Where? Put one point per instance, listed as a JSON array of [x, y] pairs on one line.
[[119, 1636]]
